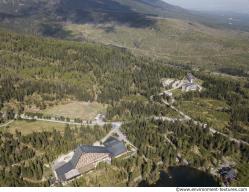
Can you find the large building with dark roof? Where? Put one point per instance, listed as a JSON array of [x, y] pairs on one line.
[[115, 147], [85, 158]]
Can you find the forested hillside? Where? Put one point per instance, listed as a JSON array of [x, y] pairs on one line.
[[43, 71], [25, 159], [112, 57], [145, 27], [52, 70], [57, 69]]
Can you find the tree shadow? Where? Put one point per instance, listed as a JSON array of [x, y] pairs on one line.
[[54, 30]]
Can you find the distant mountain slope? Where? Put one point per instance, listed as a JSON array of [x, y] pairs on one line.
[[173, 40], [27, 15], [154, 7], [138, 25], [130, 12], [229, 20]]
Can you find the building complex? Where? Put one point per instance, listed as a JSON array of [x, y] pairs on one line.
[[85, 158]]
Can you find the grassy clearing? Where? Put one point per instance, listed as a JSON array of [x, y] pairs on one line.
[[177, 93], [76, 109], [28, 127], [207, 110]]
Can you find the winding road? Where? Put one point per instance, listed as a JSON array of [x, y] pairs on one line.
[[93, 123], [211, 129], [115, 127]]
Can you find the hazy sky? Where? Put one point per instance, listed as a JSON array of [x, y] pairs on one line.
[[241, 6]]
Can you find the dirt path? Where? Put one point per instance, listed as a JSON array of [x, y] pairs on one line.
[[6, 124], [34, 181]]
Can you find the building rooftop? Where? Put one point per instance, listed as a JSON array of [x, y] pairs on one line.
[[86, 149], [228, 172], [61, 171], [115, 147], [65, 165], [190, 77], [189, 84], [63, 160], [71, 174], [116, 125]]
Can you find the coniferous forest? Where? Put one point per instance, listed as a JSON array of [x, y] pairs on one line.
[[56, 69]]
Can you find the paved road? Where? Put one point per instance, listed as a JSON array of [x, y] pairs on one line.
[[211, 129], [186, 117], [170, 119], [113, 131], [6, 124], [71, 123], [121, 136], [115, 127]]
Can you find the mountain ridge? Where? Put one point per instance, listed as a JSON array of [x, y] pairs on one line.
[[127, 12], [151, 28]]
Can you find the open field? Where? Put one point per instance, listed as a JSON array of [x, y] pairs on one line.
[[76, 109], [207, 111], [177, 92], [28, 127]]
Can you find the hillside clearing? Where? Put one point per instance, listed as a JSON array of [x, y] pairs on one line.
[[76, 109], [28, 127], [207, 111]]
